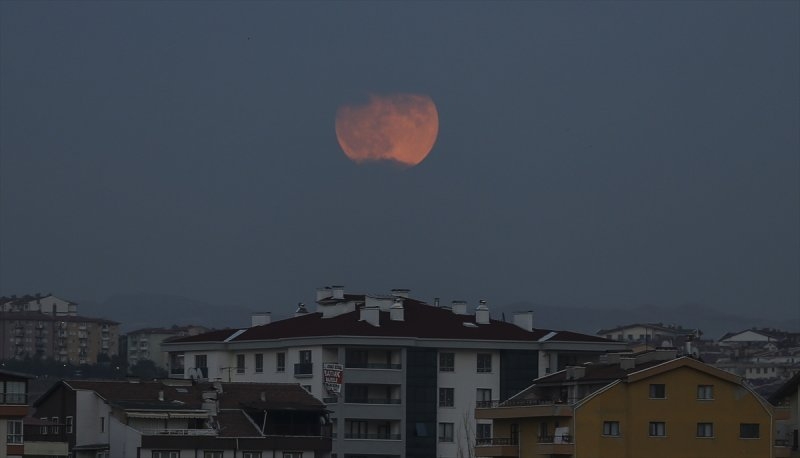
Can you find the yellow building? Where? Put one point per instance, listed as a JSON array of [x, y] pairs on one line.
[[648, 405]]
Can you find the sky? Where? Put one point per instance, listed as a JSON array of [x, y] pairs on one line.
[[590, 154]]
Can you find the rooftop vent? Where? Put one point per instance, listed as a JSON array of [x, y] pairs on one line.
[[482, 313], [301, 309]]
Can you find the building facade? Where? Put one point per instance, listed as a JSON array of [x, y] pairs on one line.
[[651, 404], [145, 344], [400, 376]]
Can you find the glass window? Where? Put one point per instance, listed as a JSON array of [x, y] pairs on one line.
[[240, 364], [54, 428], [483, 430], [280, 362], [43, 428], [14, 430], [446, 397], [305, 356], [102, 424], [749, 430], [15, 392], [166, 454], [251, 454], [447, 362], [705, 391], [611, 428], [705, 430], [514, 433], [68, 424], [658, 428], [484, 362], [292, 454], [259, 363], [484, 395], [658, 391], [445, 432], [200, 361], [212, 454]]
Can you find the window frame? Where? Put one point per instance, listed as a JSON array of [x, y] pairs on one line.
[[656, 427], [251, 454], [487, 427], [705, 430], [446, 432], [165, 454], [447, 362], [240, 363], [481, 395], [742, 431], [15, 435], [705, 392], [481, 363], [258, 363], [213, 453], [280, 361], [447, 397], [54, 429], [657, 389], [611, 428], [68, 424]]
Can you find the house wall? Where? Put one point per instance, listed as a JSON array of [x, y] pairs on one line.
[[91, 413], [681, 411]]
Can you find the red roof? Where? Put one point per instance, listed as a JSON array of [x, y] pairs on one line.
[[420, 321]]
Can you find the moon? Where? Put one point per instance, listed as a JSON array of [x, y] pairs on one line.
[[399, 128]]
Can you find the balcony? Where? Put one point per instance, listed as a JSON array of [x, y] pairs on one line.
[[359, 400], [179, 432], [782, 448], [497, 447], [366, 436], [303, 369], [363, 365], [555, 445], [14, 398], [522, 408]]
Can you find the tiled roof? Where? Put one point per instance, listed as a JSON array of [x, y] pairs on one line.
[[39, 316], [116, 391], [659, 326], [598, 373], [275, 396], [420, 321], [786, 390], [235, 423]]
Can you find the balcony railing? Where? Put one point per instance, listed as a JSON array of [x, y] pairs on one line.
[[303, 369], [521, 403], [492, 441], [351, 400], [13, 398], [390, 437], [562, 439], [179, 432], [362, 365]]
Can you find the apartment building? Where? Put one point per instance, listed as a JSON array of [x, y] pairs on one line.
[[72, 339], [400, 376], [650, 404], [42, 303], [787, 398], [182, 419], [145, 344]]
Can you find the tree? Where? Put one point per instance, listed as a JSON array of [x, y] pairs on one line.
[[147, 369]]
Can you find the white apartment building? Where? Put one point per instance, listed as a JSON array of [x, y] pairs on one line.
[[401, 377]]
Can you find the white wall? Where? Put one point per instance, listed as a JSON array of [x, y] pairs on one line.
[[124, 440], [90, 408]]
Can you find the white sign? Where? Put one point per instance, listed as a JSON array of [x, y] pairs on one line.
[[332, 377]]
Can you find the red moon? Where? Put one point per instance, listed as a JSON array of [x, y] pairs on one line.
[[400, 128]]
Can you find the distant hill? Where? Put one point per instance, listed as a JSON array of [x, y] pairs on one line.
[[710, 321], [136, 311]]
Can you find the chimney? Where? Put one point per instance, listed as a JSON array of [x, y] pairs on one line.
[[258, 319], [371, 314], [301, 309], [436, 302], [459, 307], [160, 395], [401, 292], [396, 311], [482, 313], [575, 372], [338, 291], [324, 293], [524, 320], [263, 396]]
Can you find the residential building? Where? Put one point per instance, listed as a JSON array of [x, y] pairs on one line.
[[13, 409], [400, 376], [47, 304], [145, 344], [71, 339], [44, 438], [174, 419], [787, 398], [650, 404], [651, 334]]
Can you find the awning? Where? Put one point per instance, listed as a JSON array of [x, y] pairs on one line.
[[147, 415], [188, 415]]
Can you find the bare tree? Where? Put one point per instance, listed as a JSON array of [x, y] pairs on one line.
[[467, 433]]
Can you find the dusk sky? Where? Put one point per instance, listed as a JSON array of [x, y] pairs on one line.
[[589, 154]]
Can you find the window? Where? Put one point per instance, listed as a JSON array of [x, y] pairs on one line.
[[514, 433], [484, 362], [212, 454], [611, 428], [68, 425], [356, 429], [101, 454], [446, 397], [54, 428], [305, 356], [102, 424], [166, 454], [259, 365], [240, 364], [483, 430], [749, 430], [15, 392], [200, 361], [447, 362], [14, 432], [484, 395], [445, 432], [43, 428], [705, 391], [705, 430], [251, 454], [658, 391], [658, 429], [357, 358], [280, 362], [292, 454]]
